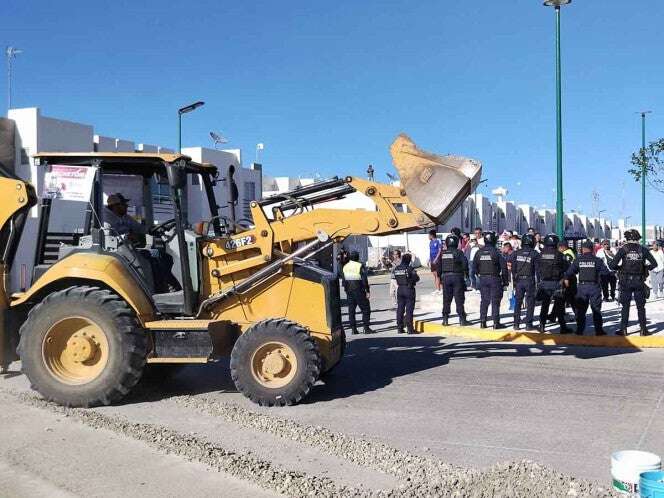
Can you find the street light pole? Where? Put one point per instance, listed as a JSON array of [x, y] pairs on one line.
[[644, 172], [11, 53], [185, 110], [560, 216]]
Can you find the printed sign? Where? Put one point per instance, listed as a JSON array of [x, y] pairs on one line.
[[240, 242], [69, 183]]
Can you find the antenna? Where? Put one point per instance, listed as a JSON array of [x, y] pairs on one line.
[[218, 138]]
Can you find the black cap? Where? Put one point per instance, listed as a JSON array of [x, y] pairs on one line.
[[354, 256]]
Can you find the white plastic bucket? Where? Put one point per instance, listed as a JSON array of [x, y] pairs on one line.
[[626, 467]]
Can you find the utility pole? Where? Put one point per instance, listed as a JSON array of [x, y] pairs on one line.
[[560, 215], [644, 171], [11, 53]]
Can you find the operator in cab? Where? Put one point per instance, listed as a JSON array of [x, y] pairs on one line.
[[154, 265], [406, 278]]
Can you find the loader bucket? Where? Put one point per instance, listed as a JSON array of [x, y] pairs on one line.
[[437, 185]]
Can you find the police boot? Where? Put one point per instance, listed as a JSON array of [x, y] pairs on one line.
[[622, 332], [401, 331], [644, 331], [564, 329], [530, 327], [516, 326], [446, 320], [497, 325], [483, 324], [367, 330], [542, 328], [462, 321], [354, 331], [600, 332]]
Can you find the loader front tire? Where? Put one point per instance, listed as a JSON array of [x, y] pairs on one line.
[[82, 347], [275, 363]]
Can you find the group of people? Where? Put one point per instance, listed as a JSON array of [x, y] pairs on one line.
[[546, 270], [543, 269]]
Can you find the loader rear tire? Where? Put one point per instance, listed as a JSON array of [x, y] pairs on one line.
[[82, 346], [275, 363]]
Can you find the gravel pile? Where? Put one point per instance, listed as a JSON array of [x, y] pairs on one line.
[[419, 476]]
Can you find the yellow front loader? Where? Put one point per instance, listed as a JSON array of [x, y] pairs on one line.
[[95, 317]]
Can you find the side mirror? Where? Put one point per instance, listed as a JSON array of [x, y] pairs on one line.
[[177, 174]]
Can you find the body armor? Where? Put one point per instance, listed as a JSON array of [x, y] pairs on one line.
[[488, 264], [551, 264], [523, 264], [451, 261], [633, 261], [588, 273]]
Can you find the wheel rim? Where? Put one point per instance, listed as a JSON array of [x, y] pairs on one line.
[[274, 364], [75, 350]]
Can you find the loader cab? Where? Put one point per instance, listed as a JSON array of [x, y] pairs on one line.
[[74, 218]]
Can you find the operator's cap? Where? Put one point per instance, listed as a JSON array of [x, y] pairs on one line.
[[115, 199]]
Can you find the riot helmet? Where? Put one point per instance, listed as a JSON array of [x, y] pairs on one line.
[[527, 240], [452, 241], [551, 240], [490, 238]]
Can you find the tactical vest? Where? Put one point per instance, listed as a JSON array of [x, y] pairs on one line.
[[450, 261], [632, 263], [588, 273], [488, 263], [523, 264], [352, 271], [551, 264], [402, 275]]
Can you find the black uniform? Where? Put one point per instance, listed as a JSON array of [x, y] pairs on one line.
[[632, 262], [406, 279], [490, 265], [454, 266], [553, 265], [525, 273], [589, 269]]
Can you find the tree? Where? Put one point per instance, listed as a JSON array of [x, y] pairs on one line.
[[652, 158]]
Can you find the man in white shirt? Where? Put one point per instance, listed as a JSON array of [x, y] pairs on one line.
[[657, 273]]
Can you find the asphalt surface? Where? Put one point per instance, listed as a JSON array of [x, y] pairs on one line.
[[393, 402]]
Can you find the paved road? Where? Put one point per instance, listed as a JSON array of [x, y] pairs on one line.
[[466, 402]]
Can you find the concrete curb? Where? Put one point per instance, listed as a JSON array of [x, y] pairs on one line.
[[537, 338]]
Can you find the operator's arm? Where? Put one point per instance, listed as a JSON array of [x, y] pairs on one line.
[[476, 262], [615, 263], [413, 275]]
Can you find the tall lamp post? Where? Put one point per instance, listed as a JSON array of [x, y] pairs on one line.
[[185, 110], [644, 172], [11, 53], [560, 216], [477, 211]]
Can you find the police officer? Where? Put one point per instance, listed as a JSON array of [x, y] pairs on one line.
[[406, 278], [525, 273], [356, 284], [589, 269], [490, 265], [454, 267], [553, 265], [633, 262]]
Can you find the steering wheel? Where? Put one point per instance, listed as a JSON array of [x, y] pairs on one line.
[[161, 230]]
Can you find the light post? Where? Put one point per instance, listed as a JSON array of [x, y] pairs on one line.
[[560, 216], [477, 211], [644, 172], [185, 110], [11, 53]]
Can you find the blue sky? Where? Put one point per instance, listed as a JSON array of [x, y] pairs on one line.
[[327, 85]]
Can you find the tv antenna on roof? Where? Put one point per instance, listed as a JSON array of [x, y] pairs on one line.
[[218, 138]]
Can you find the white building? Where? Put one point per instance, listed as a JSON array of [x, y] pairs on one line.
[[38, 133]]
